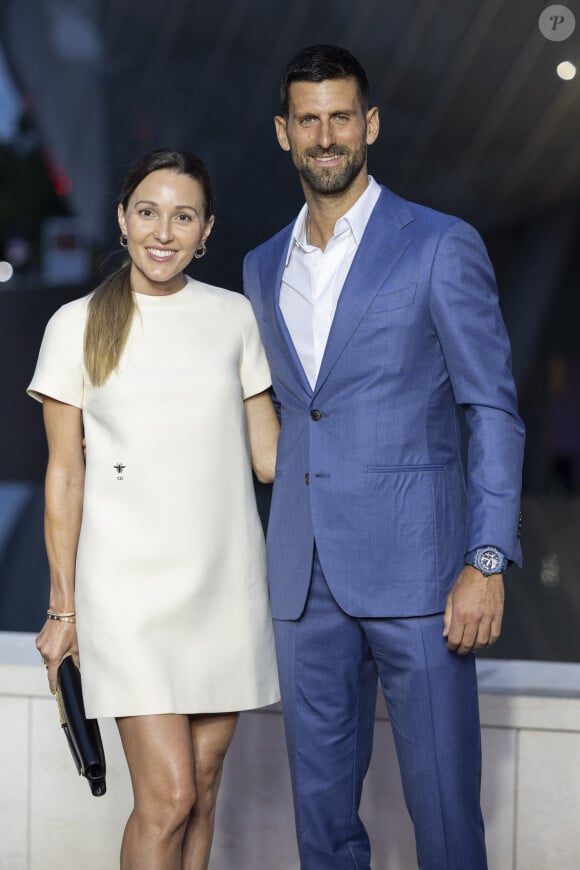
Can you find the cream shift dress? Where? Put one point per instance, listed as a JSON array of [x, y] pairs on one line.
[[171, 596]]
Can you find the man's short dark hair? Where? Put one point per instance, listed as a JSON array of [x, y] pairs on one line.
[[317, 63]]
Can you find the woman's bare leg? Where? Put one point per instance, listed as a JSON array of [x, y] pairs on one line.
[[160, 756], [211, 736]]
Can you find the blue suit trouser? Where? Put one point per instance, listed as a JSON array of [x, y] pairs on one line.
[[328, 663]]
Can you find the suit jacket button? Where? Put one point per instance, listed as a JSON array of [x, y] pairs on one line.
[[307, 479], [315, 414]]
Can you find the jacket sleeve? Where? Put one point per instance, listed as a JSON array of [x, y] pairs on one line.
[[467, 318]]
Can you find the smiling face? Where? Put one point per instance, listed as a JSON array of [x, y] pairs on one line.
[[165, 223], [327, 133]]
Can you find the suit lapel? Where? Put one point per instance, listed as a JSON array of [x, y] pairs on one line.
[[273, 272], [379, 250]]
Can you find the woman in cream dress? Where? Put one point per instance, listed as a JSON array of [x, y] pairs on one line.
[[156, 549]]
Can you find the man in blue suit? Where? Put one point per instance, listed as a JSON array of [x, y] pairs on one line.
[[386, 542]]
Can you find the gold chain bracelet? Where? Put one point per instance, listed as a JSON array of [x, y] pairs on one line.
[[61, 617]]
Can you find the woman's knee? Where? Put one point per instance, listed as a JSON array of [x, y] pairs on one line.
[[211, 737], [167, 809], [208, 772]]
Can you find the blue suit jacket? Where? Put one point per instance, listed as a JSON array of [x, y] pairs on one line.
[[370, 462]]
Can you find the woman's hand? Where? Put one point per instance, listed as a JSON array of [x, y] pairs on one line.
[[56, 641]]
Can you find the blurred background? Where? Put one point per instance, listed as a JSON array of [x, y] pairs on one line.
[[479, 118]]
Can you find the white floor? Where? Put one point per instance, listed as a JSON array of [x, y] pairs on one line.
[[530, 794]]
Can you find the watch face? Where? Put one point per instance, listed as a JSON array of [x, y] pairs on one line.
[[489, 561]]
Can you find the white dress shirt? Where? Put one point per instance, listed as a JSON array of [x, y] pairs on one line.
[[313, 279]]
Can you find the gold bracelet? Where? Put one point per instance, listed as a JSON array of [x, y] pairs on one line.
[[61, 617]]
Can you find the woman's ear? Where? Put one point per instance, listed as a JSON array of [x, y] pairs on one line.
[[121, 219], [208, 228]]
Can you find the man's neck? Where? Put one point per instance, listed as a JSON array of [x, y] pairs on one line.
[[325, 209]]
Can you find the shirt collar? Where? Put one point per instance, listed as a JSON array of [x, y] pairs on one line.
[[356, 218]]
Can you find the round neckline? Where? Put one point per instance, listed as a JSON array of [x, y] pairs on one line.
[[161, 298]]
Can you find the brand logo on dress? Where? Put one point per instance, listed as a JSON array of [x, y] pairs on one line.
[[119, 468]]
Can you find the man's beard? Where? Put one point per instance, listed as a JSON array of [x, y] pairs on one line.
[[334, 179]]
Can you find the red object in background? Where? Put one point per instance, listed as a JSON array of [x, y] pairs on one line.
[[60, 180]]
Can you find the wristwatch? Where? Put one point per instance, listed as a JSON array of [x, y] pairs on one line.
[[488, 560]]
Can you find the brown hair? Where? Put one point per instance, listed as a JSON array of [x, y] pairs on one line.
[[111, 307], [317, 63]]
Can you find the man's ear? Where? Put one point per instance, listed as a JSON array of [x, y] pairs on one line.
[[373, 125], [281, 135]]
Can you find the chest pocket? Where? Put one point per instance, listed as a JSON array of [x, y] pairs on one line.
[[393, 299]]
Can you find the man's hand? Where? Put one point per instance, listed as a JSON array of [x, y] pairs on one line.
[[474, 611]]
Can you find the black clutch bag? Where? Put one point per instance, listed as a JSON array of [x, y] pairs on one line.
[[82, 734]]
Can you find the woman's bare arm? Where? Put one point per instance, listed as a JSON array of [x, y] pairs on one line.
[[263, 429], [64, 489]]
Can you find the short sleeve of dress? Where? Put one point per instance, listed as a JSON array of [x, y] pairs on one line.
[[254, 370], [59, 371]]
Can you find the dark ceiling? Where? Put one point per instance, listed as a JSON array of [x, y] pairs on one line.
[[475, 120]]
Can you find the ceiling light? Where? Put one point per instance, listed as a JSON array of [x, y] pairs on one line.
[[6, 271], [566, 70]]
